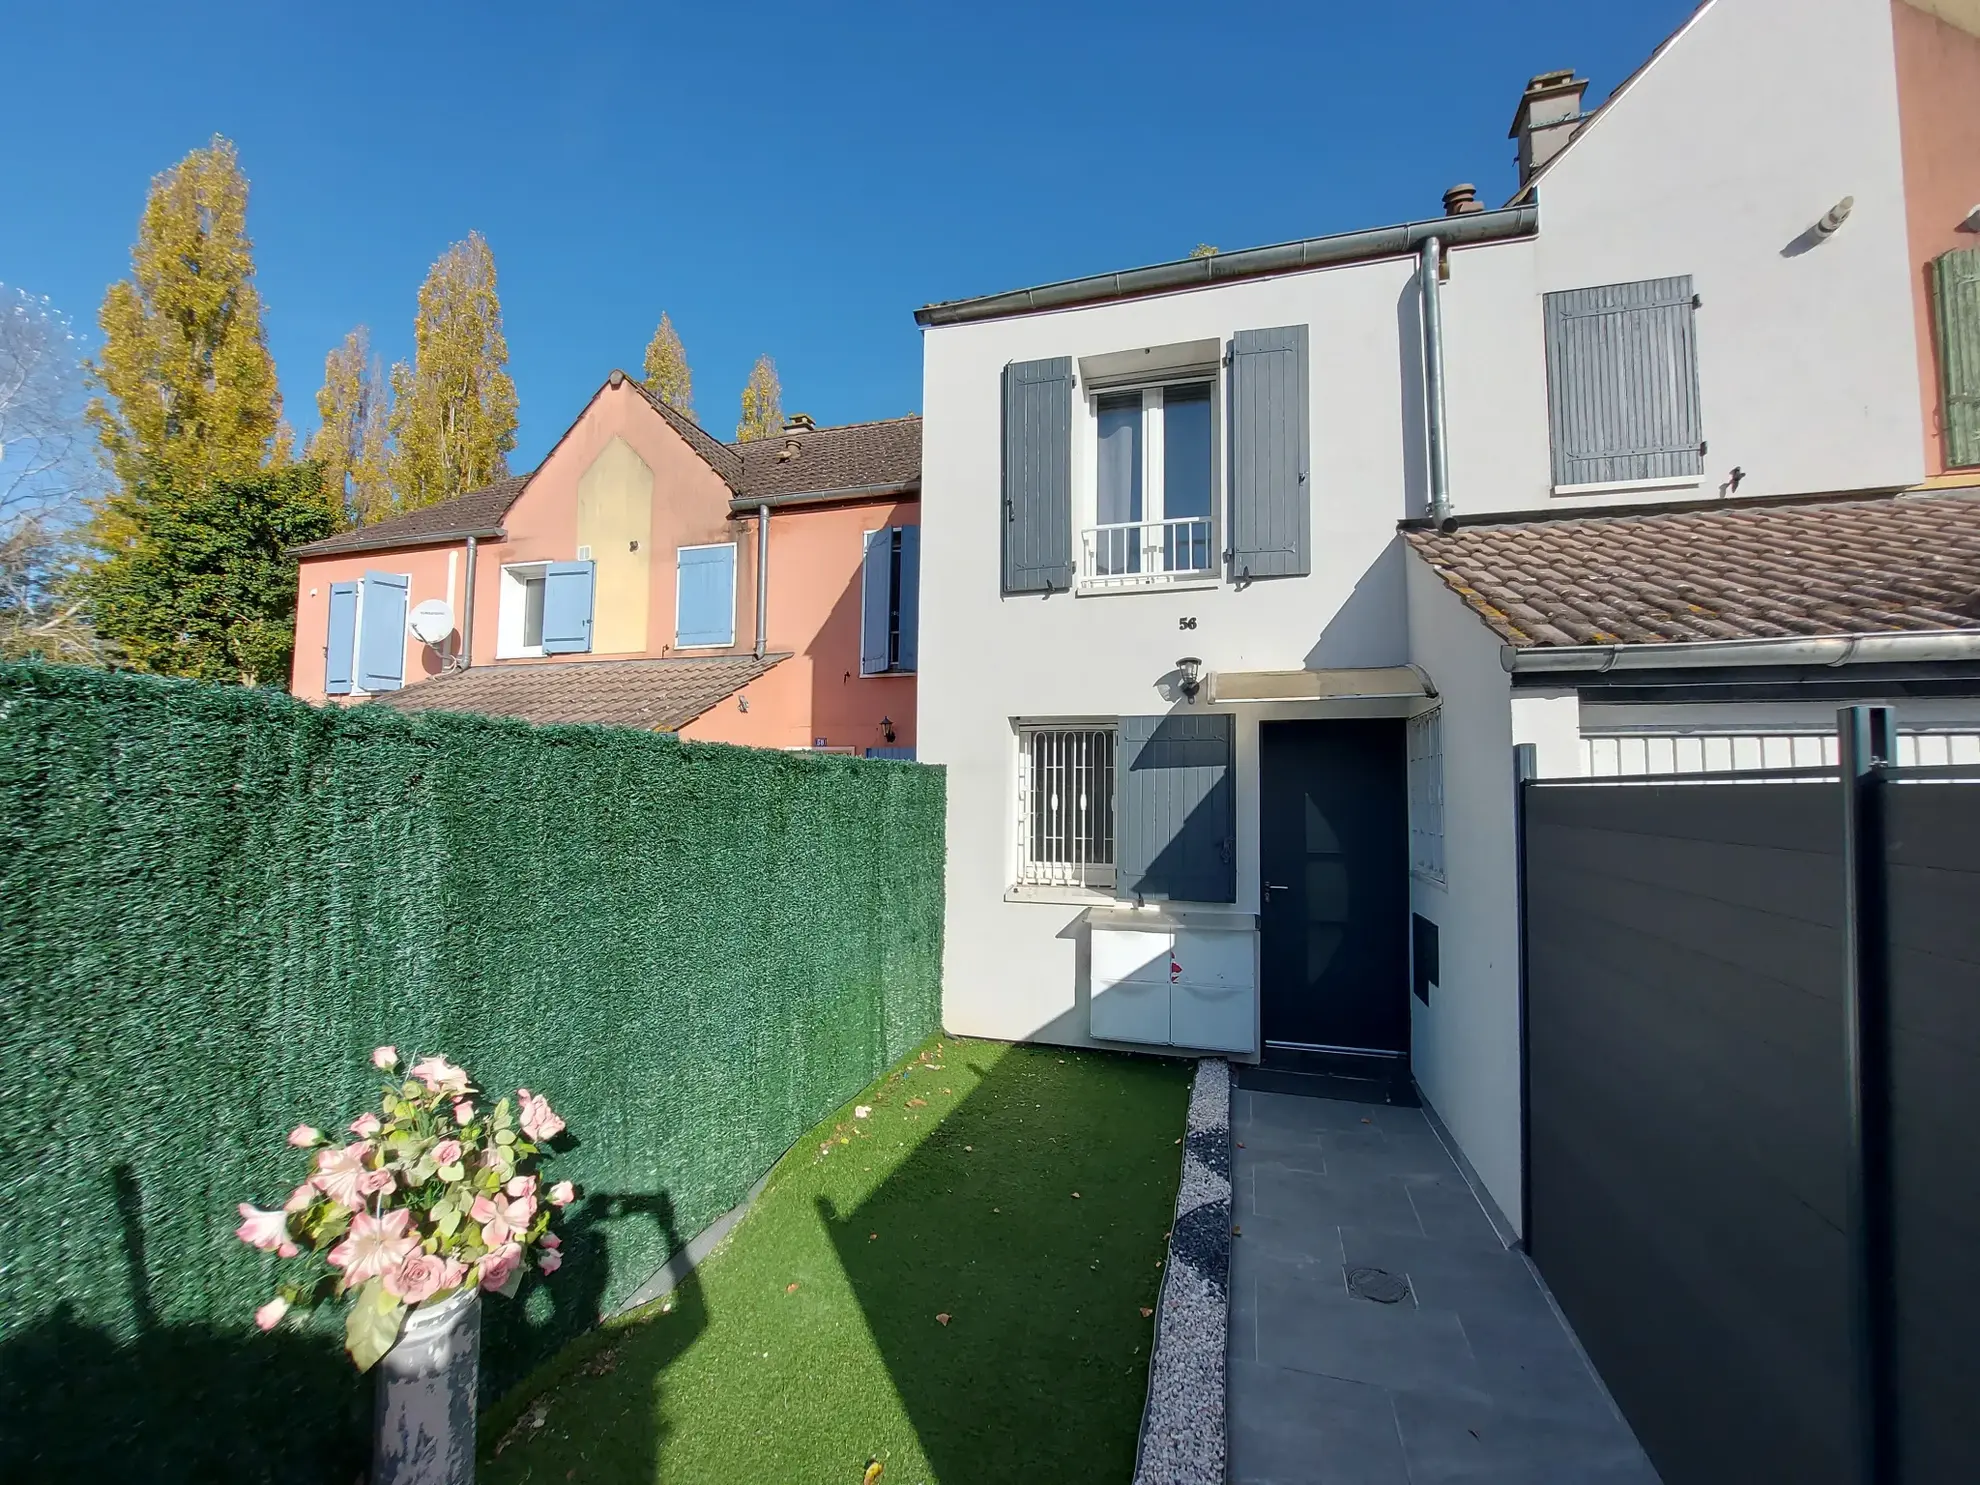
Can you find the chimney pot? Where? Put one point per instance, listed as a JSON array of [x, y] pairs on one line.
[[1548, 115], [800, 423], [1461, 198]]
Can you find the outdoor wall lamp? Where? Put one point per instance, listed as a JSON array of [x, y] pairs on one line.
[[888, 724], [1192, 675], [1834, 217]]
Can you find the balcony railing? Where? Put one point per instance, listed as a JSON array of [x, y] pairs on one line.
[[1134, 554]]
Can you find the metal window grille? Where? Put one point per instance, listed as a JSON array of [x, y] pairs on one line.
[[1065, 807], [1426, 794]]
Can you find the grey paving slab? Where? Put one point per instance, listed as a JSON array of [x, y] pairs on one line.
[[1472, 1376]]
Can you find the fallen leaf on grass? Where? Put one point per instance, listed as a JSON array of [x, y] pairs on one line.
[[1146, 1312], [873, 1237], [1075, 1196], [862, 1111], [873, 1468], [970, 1148], [917, 1103], [941, 1319], [790, 1289], [603, 1363], [949, 1091]]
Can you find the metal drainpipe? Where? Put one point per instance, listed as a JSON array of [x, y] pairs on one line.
[[762, 577], [1429, 276], [467, 612]]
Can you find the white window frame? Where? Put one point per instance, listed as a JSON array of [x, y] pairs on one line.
[[1426, 794], [735, 582], [509, 611], [1086, 461], [1066, 746]]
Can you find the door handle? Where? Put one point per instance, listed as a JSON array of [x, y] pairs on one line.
[[1271, 887]]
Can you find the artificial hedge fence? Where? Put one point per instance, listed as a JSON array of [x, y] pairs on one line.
[[215, 901]]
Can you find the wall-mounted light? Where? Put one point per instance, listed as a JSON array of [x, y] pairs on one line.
[[1192, 675], [1835, 216], [888, 724], [1972, 222]]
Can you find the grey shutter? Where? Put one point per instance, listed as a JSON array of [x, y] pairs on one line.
[[567, 604], [1038, 476], [1622, 382], [1956, 306], [875, 598], [1271, 455], [1174, 809], [340, 648], [910, 599], [381, 647]]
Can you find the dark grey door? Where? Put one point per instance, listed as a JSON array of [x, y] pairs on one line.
[[1334, 853]]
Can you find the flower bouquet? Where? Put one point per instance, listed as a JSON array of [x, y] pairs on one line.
[[434, 1196]]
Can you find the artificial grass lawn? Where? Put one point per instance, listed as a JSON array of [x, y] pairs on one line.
[[812, 1341]]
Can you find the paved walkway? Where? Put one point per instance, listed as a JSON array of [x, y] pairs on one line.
[[1471, 1375]]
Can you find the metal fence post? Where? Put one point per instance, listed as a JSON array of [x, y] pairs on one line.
[[1526, 768], [1867, 739]]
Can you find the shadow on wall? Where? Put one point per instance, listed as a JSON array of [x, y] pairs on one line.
[[847, 709], [1372, 626]]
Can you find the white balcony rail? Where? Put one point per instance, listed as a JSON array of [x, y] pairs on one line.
[[1136, 553]]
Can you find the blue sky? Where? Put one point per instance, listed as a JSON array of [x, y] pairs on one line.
[[780, 178]]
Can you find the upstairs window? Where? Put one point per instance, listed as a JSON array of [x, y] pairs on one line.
[[705, 597], [1152, 486], [365, 646], [544, 608], [1956, 310], [890, 602], [1622, 385]]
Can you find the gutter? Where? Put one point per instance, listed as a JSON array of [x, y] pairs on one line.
[[387, 543], [1826, 650], [743, 505], [1371, 243]]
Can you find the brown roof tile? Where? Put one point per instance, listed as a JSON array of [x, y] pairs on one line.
[[853, 456], [718, 456], [655, 695], [1910, 562], [478, 511]]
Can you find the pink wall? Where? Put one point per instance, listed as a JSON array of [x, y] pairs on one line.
[[429, 570], [1938, 71]]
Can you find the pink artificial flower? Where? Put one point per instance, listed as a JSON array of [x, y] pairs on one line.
[[463, 1111], [270, 1315], [551, 1240], [417, 1279], [304, 1135], [447, 1152], [452, 1273], [502, 1220], [384, 1058], [340, 1172], [374, 1181], [300, 1199], [268, 1231], [496, 1267], [364, 1126], [539, 1121], [440, 1075], [549, 1261], [376, 1246], [562, 1194], [521, 1186]]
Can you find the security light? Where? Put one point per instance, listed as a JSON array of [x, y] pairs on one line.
[[1192, 675]]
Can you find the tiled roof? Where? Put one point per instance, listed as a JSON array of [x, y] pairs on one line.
[[655, 695], [717, 455], [853, 456], [1910, 562], [479, 511]]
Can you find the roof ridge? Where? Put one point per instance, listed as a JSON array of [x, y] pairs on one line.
[[913, 417]]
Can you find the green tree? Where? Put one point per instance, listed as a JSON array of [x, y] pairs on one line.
[[190, 385], [667, 374], [762, 402], [349, 445], [204, 586], [454, 409], [1204, 250]]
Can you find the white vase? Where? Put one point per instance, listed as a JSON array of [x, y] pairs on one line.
[[424, 1434]]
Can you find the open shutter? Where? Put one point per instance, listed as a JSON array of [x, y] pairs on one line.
[[705, 597], [1038, 476], [567, 599], [910, 600], [876, 597], [1956, 306], [1175, 810], [340, 650], [1622, 382], [381, 647], [1271, 455]]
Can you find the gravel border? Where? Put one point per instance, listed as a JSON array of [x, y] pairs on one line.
[[1182, 1425]]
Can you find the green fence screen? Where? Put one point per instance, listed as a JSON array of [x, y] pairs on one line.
[[214, 902]]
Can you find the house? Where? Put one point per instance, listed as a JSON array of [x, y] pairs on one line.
[[645, 574], [1246, 574]]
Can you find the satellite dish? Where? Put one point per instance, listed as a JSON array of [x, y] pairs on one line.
[[432, 621]]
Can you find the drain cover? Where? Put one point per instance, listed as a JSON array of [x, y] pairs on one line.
[[1377, 1284]]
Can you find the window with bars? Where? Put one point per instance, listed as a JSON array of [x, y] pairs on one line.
[[1065, 807], [1426, 795]]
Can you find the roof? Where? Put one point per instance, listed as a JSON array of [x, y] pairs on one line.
[[1748, 571], [477, 513], [718, 456], [656, 695], [852, 459]]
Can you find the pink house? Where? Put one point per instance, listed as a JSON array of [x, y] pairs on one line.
[[645, 574]]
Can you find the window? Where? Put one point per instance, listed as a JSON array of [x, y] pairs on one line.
[[364, 649], [1426, 795], [519, 618], [1956, 308], [1066, 806], [890, 601], [1154, 473], [705, 597], [1622, 385]]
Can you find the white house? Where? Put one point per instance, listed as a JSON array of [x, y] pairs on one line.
[[1243, 575]]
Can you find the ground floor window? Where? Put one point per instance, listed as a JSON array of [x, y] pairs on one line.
[[1426, 795], [1066, 806]]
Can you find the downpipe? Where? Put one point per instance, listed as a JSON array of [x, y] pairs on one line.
[[1429, 278], [762, 578]]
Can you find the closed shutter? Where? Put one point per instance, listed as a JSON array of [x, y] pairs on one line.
[[340, 650], [1271, 454], [1956, 304], [1038, 476], [1622, 382], [1175, 809], [705, 597], [909, 600], [567, 600], [876, 598], [381, 648]]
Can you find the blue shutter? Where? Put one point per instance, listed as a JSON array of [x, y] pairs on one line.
[[1175, 809], [381, 647], [910, 600], [876, 599], [1271, 456], [1038, 476], [567, 595], [897, 755], [1622, 382], [340, 651], [705, 597]]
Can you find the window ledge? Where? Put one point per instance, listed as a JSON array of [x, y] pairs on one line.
[[1151, 585], [1608, 487], [1431, 878], [1065, 896], [527, 652]]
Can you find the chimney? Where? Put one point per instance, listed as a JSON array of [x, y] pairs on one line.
[[800, 423], [1549, 113], [1460, 199]]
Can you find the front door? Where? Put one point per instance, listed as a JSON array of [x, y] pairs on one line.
[[1334, 857]]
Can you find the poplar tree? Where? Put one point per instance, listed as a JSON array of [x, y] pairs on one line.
[[349, 446], [762, 402], [667, 374], [453, 416]]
